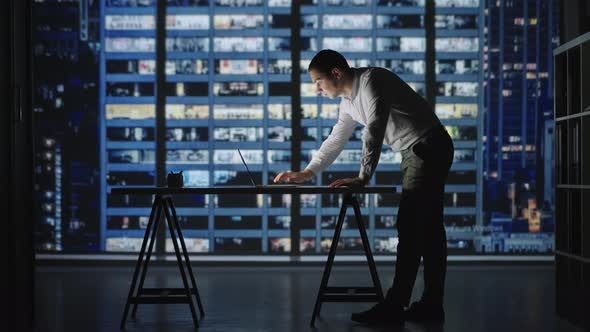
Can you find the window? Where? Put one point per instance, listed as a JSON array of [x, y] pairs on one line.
[[228, 84]]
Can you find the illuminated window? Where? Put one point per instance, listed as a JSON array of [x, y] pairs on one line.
[[456, 44], [455, 22], [347, 21], [130, 111], [177, 112], [513, 139], [187, 22], [462, 89], [451, 111], [130, 22], [187, 44], [239, 3], [238, 44], [401, 67], [238, 112], [350, 44], [236, 67], [128, 44], [457, 66], [238, 21], [456, 3]]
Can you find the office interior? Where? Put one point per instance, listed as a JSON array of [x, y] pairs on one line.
[[104, 94]]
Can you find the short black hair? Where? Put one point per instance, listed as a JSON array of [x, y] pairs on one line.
[[326, 60]]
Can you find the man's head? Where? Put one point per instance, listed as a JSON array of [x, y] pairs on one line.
[[329, 72]]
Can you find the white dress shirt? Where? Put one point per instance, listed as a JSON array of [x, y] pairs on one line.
[[391, 112]]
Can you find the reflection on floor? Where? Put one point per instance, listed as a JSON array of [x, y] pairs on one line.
[[478, 298]]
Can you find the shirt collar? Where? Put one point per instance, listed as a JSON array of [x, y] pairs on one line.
[[355, 83]]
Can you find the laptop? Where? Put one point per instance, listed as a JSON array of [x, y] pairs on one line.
[[263, 186]]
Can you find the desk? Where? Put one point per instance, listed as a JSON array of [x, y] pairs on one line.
[[163, 205]]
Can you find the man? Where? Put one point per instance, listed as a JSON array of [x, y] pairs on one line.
[[392, 113]]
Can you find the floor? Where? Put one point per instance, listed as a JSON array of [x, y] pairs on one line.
[[263, 298]]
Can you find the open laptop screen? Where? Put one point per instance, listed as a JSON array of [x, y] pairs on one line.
[[252, 178], [247, 170]]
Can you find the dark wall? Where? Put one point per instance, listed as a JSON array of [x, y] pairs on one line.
[[575, 19], [16, 233]]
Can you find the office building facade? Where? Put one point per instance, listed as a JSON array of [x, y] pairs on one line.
[[518, 122], [228, 85]]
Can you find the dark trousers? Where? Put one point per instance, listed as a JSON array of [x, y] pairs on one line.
[[425, 166]]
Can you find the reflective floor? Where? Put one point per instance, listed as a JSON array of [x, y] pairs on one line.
[[478, 298]]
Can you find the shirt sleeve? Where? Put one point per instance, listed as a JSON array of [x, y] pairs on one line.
[[379, 103], [334, 144]]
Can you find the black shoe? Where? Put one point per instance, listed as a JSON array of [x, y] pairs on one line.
[[423, 312], [381, 313]]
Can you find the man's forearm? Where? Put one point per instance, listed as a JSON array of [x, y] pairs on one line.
[[372, 150]]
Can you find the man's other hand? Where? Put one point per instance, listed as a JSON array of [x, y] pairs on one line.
[[296, 177], [348, 182]]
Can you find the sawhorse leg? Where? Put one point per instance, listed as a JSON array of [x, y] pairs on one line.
[[187, 260], [348, 294], [155, 216], [163, 207]]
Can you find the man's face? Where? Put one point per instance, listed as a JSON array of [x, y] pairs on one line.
[[327, 85]]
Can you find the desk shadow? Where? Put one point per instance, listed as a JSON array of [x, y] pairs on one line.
[[343, 325], [426, 327], [408, 327]]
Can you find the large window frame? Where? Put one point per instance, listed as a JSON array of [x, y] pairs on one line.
[[297, 122]]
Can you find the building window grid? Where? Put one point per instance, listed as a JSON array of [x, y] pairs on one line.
[[264, 233]]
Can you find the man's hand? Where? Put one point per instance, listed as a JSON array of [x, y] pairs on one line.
[[296, 177], [348, 182]]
